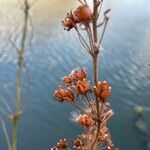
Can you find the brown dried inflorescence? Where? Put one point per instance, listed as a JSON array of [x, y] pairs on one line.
[[103, 90], [69, 21], [68, 79], [79, 74], [62, 144], [82, 87], [78, 144], [84, 120], [82, 15], [78, 91], [63, 94], [89, 98]]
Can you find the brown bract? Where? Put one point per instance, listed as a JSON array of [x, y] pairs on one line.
[[103, 90]]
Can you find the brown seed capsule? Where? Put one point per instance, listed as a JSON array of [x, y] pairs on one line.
[[64, 94], [80, 74], [103, 90], [60, 94], [69, 96], [68, 24], [77, 143], [69, 21], [85, 120], [62, 144], [83, 14], [82, 87], [68, 79]]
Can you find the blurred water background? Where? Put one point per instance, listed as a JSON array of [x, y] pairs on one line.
[[52, 52]]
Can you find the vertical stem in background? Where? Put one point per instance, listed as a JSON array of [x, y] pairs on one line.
[[16, 116]]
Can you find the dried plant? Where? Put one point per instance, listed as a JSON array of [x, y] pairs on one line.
[[89, 98], [15, 115]]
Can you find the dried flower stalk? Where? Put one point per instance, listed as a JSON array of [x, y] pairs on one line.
[[15, 117], [90, 99]]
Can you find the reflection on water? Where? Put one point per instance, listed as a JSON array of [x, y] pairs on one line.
[[53, 52]]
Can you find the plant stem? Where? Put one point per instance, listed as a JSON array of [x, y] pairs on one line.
[[19, 79], [14, 136], [95, 77], [95, 14], [95, 70]]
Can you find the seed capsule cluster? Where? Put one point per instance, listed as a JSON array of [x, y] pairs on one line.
[[76, 85], [82, 14]]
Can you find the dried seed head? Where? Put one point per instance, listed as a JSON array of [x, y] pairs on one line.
[[59, 94], [103, 90], [84, 14], [69, 96], [77, 143], [70, 21], [82, 87], [80, 74], [68, 24], [62, 144], [64, 94], [68, 79], [85, 120]]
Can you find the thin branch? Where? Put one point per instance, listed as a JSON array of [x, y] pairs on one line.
[[8, 91], [95, 14], [85, 2], [4, 112], [6, 104], [82, 40], [32, 29], [19, 75], [26, 67], [80, 1], [100, 8], [89, 34], [78, 106], [3, 125], [14, 45], [89, 102], [103, 32], [100, 24]]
